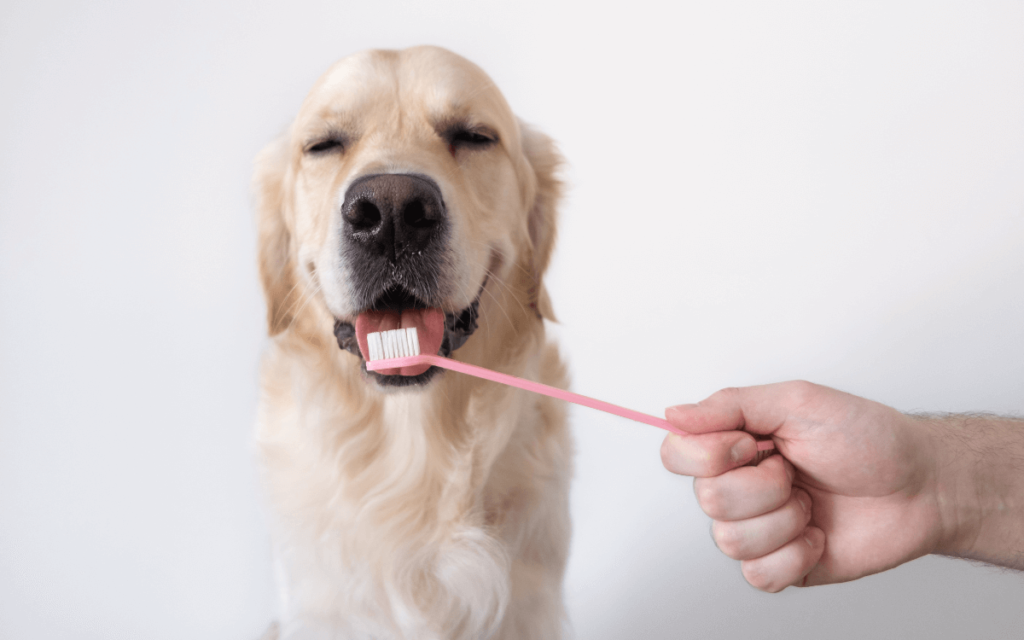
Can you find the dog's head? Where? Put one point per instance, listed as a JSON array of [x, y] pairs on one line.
[[405, 193]]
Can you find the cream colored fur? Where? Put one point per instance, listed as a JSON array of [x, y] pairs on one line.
[[432, 512]]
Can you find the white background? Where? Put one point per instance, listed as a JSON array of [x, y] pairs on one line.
[[759, 192]]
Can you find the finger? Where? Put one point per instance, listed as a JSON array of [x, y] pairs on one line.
[[759, 536], [760, 409], [746, 492], [709, 454], [788, 565]]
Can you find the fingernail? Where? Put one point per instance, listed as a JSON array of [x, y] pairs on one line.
[[677, 412], [804, 500], [790, 472], [811, 537], [681, 407], [743, 451]]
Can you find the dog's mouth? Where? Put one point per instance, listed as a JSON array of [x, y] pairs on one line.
[[439, 332]]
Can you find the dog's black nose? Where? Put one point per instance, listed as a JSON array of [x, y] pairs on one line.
[[393, 215]]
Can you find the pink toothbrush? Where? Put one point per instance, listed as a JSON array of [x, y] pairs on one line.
[[401, 348]]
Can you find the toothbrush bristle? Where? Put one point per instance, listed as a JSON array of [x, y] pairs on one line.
[[398, 343]]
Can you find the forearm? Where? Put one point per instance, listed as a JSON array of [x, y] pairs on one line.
[[979, 487]]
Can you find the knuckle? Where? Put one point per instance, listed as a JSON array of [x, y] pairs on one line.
[[756, 576], [801, 392], [727, 539], [728, 393], [709, 497], [722, 398]]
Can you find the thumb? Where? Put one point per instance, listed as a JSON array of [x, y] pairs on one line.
[[759, 410]]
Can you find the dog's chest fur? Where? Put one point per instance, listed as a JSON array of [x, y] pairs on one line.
[[417, 515]]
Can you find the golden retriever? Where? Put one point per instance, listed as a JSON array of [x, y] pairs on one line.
[[429, 504]]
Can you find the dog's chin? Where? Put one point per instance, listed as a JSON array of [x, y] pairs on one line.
[[458, 327]]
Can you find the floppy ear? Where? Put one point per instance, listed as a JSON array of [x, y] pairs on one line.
[[274, 239], [545, 161]]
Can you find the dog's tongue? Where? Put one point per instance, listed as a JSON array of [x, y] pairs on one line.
[[429, 325]]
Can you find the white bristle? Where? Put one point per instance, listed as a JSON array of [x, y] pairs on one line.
[[397, 343], [414, 341]]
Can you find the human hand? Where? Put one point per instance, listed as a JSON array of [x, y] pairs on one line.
[[854, 491]]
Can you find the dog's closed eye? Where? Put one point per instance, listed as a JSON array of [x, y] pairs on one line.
[[461, 136], [468, 137], [325, 145]]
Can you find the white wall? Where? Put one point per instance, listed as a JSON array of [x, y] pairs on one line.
[[760, 191]]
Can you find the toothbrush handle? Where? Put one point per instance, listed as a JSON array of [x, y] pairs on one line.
[[536, 387]]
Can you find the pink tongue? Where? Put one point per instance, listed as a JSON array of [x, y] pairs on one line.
[[429, 325]]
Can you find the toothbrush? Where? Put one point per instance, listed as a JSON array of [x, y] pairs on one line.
[[401, 348]]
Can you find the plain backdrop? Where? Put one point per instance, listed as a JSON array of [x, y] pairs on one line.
[[758, 192]]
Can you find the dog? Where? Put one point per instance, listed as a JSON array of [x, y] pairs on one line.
[[423, 504]]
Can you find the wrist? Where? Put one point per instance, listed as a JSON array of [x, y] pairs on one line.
[[979, 487], [953, 466]]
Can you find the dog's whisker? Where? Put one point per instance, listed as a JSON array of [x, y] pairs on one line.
[[511, 292], [498, 279], [498, 304], [515, 264], [288, 296], [307, 297]]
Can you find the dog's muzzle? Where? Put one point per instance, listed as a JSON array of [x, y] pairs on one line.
[[395, 242], [395, 233]]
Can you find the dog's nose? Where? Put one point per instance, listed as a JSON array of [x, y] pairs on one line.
[[393, 215]]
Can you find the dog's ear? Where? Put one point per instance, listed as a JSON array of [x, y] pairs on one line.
[[277, 264], [545, 161]]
